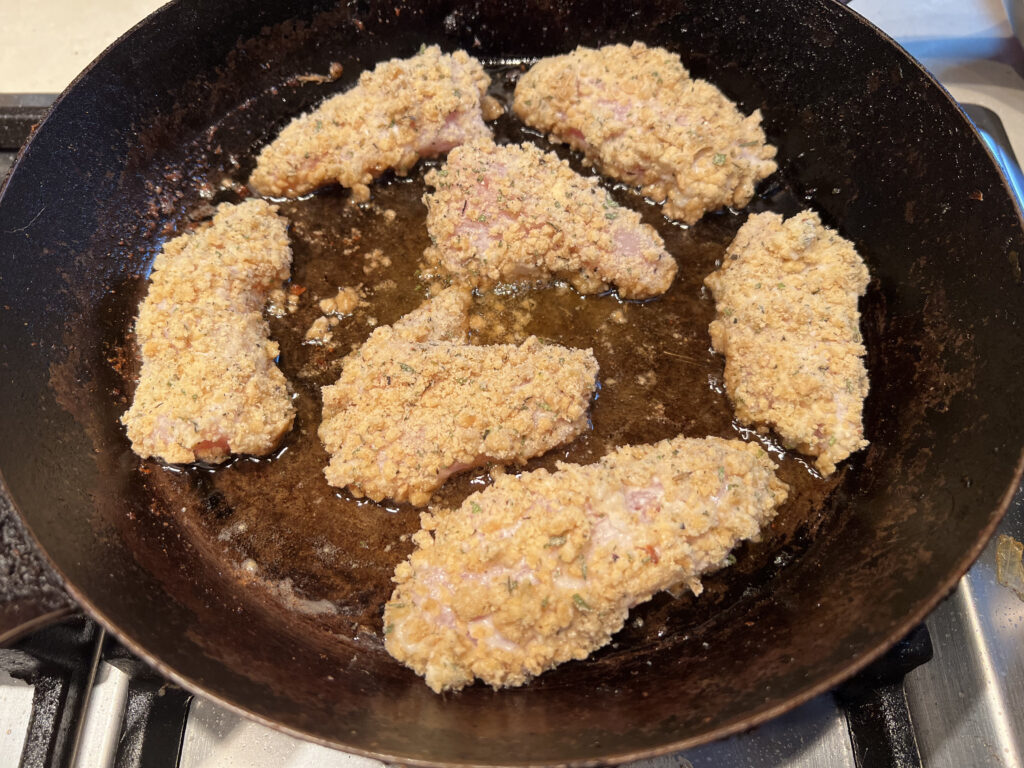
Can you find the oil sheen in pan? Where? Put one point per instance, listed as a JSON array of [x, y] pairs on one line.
[[319, 552]]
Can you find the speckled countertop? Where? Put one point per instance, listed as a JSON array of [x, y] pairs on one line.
[[48, 42]]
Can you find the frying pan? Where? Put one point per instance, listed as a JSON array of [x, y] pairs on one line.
[[134, 147]]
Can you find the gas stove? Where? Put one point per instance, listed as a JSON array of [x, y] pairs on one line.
[[951, 695]]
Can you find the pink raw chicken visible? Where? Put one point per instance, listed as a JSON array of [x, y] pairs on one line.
[[402, 110], [508, 214]]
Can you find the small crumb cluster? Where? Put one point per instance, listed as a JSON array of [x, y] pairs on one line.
[[342, 304]]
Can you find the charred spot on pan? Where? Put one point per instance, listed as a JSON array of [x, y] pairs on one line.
[[1014, 258], [216, 505]]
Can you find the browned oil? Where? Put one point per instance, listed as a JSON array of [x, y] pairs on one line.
[[325, 553]]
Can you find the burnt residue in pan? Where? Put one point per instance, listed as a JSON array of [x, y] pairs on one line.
[[317, 551]]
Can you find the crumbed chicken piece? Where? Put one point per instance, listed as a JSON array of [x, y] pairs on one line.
[[636, 113], [543, 568], [514, 213], [208, 385], [788, 325], [416, 404], [408, 415], [445, 317], [402, 110]]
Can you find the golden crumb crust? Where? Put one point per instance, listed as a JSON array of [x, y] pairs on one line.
[[502, 214], [543, 568], [444, 317], [402, 110], [208, 385], [636, 113], [410, 408], [788, 324]]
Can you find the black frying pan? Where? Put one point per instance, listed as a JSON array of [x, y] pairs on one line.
[[864, 135]]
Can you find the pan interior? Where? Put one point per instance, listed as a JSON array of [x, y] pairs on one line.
[[321, 551], [320, 561]]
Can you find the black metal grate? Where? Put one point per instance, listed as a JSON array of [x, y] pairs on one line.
[[61, 662], [19, 114]]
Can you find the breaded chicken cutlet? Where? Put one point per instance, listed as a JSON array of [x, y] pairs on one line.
[[410, 410], [514, 213], [788, 324], [402, 110], [543, 568], [208, 385], [444, 317], [636, 113]]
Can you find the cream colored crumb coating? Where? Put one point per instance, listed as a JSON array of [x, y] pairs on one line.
[[444, 317], [543, 568], [208, 385], [512, 213], [410, 408], [788, 324], [402, 110], [636, 113]]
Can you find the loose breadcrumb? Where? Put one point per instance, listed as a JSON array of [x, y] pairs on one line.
[[543, 568], [319, 332], [345, 302], [281, 303], [636, 113], [788, 324], [410, 409], [375, 261], [402, 110], [515, 214], [208, 385]]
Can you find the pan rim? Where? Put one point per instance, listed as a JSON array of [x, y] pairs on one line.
[[926, 607]]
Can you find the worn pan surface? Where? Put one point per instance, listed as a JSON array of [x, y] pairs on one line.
[[143, 139]]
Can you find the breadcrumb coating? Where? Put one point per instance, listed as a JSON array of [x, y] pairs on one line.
[[411, 409], [636, 113], [444, 317], [543, 568], [788, 324], [402, 110], [514, 213], [208, 385]]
